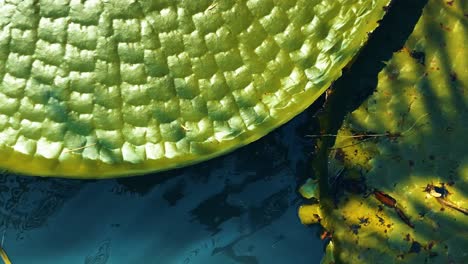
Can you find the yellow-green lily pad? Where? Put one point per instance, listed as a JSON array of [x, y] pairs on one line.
[[95, 89], [406, 145]]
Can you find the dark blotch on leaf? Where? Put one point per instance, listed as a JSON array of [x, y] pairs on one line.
[[356, 186], [364, 221], [407, 237], [415, 247], [340, 155], [355, 228], [419, 56], [453, 76]]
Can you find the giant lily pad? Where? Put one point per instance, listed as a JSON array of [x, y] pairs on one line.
[[95, 89], [399, 167]]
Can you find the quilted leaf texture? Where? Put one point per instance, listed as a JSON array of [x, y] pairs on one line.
[[106, 88]]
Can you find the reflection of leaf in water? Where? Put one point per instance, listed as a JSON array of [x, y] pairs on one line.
[[26, 203], [102, 254], [206, 245], [214, 211], [174, 193], [269, 154], [229, 252], [272, 208], [41, 213]]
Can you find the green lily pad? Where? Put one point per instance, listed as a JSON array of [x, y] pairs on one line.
[[402, 196], [95, 89]]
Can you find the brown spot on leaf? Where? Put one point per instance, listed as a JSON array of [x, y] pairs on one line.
[[444, 27], [430, 245], [407, 237], [381, 220], [364, 221], [317, 217], [340, 155], [355, 228]]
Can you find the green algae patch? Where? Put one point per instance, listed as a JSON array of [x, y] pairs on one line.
[[398, 175], [309, 189], [96, 89]]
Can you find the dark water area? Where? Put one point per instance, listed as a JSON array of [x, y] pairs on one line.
[[238, 208]]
